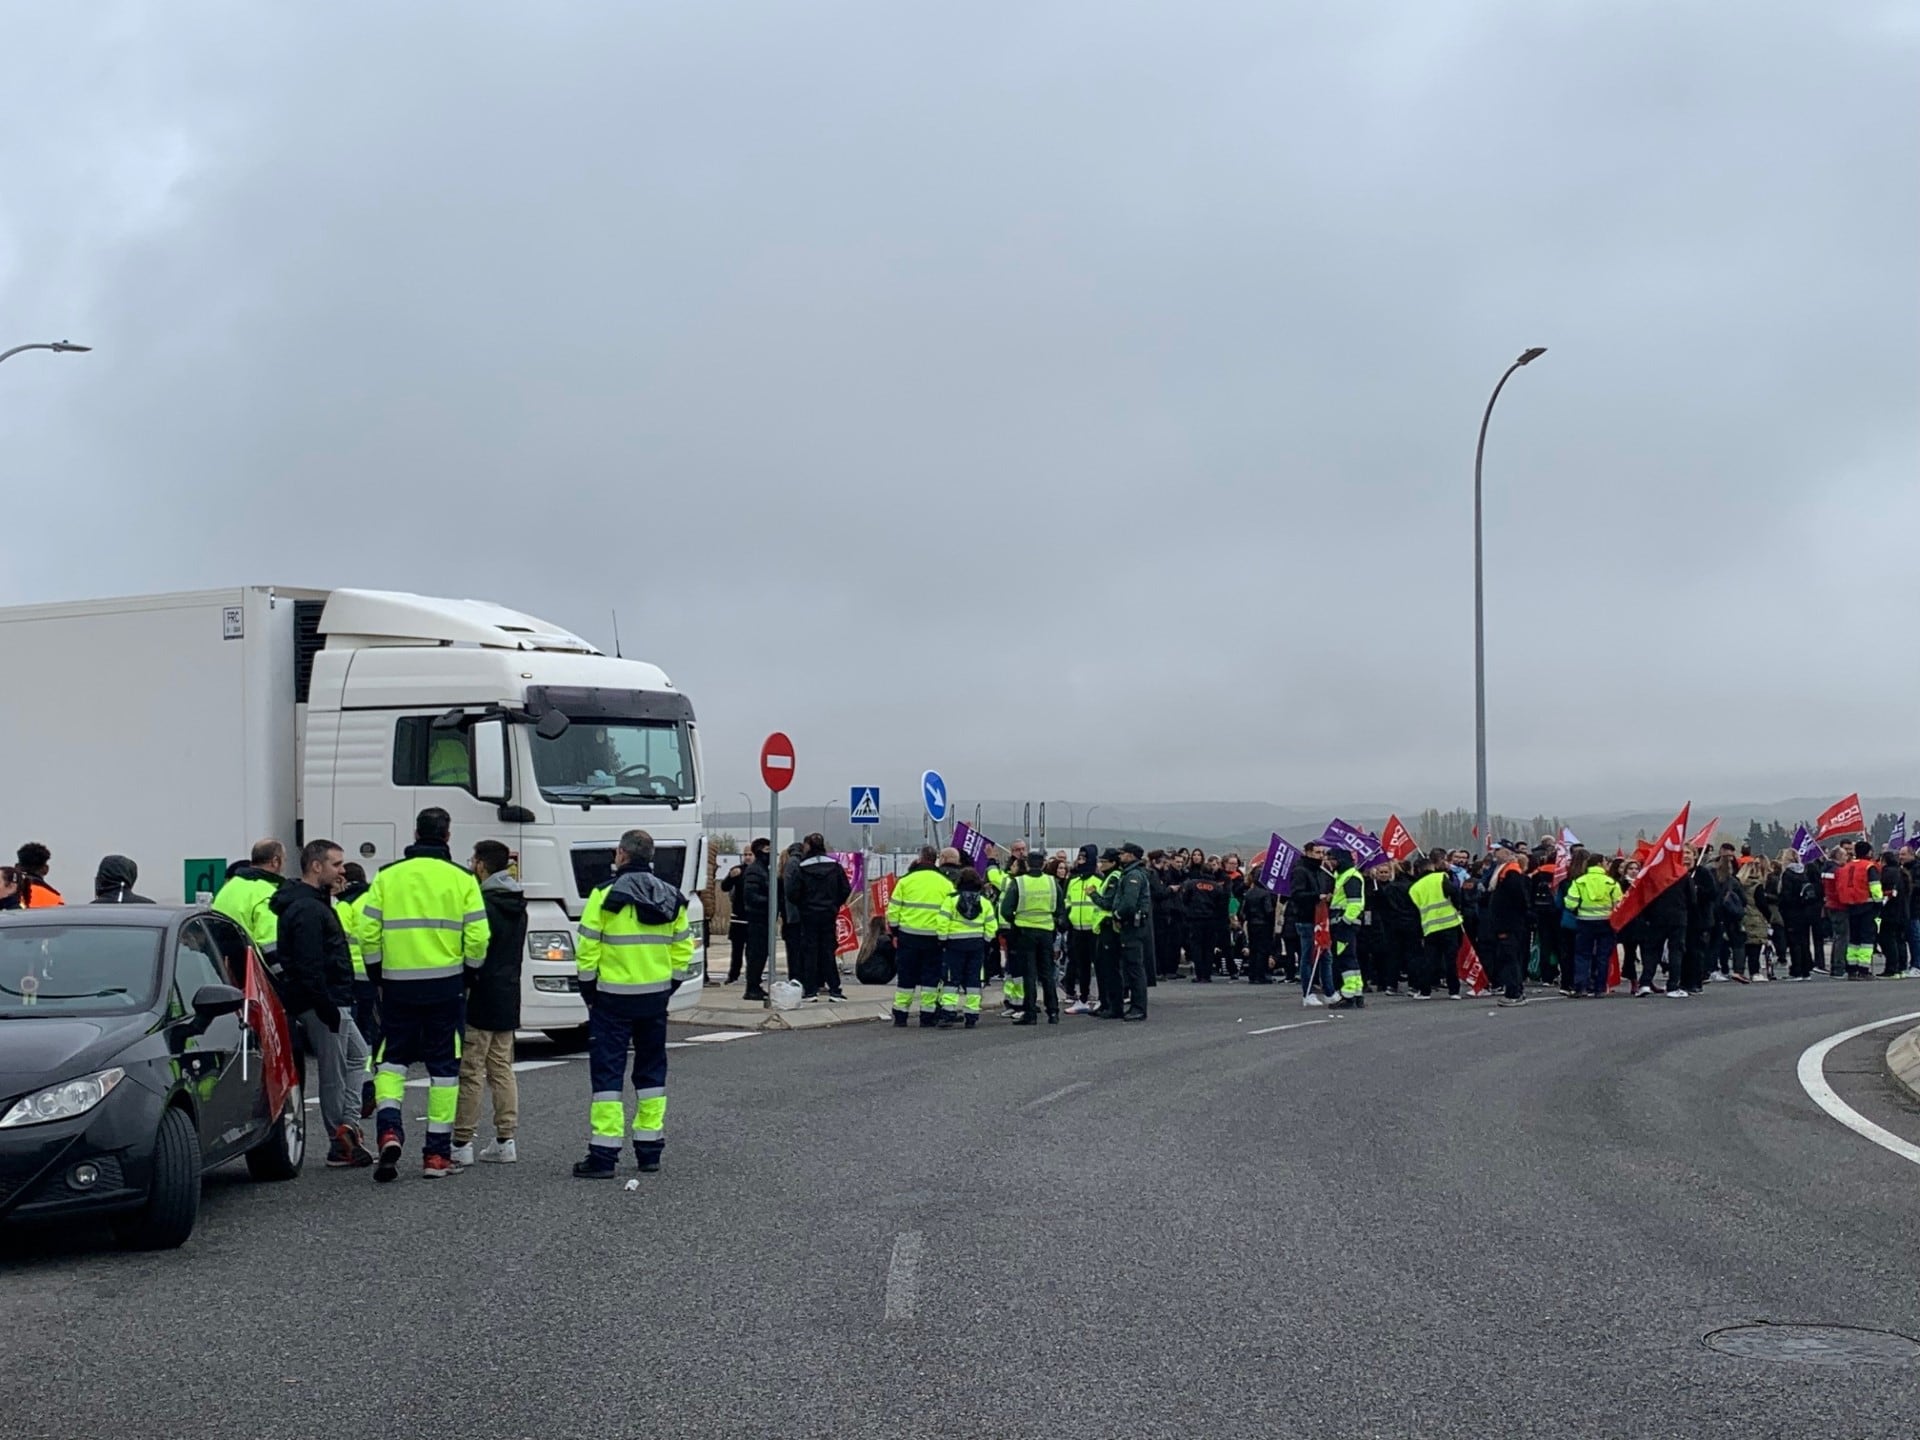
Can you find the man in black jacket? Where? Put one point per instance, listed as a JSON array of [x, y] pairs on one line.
[[819, 888], [1258, 908], [750, 899], [317, 990], [1310, 883], [493, 1012], [1509, 913], [113, 882]]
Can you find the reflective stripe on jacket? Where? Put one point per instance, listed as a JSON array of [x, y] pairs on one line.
[[422, 919], [1437, 912]]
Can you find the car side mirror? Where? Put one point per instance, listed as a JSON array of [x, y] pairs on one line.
[[212, 1001], [489, 741]]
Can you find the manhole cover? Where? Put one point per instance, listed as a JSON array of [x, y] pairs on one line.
[[1815, 1344]]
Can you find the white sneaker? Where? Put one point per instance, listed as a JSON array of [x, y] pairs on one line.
[[1676, 994], [1641, 990], [463, 1154], [1762, 978], [499, 1152], [1312, 1002]]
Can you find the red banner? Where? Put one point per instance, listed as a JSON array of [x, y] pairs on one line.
[[880, 895], [1395, 840], [269, 1022], [1322, 931], [1473, 975], [1666, 866], [1843, 817], [846, 935], [1704, 836]]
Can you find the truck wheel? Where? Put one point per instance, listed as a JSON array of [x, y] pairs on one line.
[[173, 1204], [282, 1149], [574, 1039]]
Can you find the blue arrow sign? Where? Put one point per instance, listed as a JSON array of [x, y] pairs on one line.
[[933, 790], [863, 805]]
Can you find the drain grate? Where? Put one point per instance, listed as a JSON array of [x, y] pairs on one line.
[[1838, 1345]]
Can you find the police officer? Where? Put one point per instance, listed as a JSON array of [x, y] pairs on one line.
[[635, 946], [1346, 910], [1106, 938], [1033, 906], [917, 915], [1128, 899], [245, 898], [423, 926]]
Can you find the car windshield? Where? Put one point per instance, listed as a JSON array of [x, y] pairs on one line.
[[48, 970], [616, 762]]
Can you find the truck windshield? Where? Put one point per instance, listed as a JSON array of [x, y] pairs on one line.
[[616, 762]]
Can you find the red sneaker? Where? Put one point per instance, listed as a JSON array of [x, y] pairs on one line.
[[438, 1167], [389, 1167]]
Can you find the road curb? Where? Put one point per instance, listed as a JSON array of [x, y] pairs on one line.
[[1903, 1061], [810, 1017]]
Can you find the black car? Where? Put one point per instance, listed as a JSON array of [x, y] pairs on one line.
[[126, 1070]]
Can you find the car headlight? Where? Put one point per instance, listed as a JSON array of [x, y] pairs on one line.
[[63, 1101], [550, 945]]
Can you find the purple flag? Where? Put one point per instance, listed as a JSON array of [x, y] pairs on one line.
[[1806, 846], [854, 862], [1899, 835], [1366, 849], [1276, 870], [971, 844]]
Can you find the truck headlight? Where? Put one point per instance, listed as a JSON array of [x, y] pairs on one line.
[[63, 1101], [550, 945], [557, 984]]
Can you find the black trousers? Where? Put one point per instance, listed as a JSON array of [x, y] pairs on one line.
[[1509, 956], [1106, 970], [1166, 947], [1439, 959], [1132, 948], [1079, 963], [1893, 944], [756, 956], [1798, 946], [737, 940], [1033, 955], [1259, 955], [1200, 948], [1663, 939], [817, 968]]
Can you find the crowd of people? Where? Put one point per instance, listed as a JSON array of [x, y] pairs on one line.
[[1062, 934]]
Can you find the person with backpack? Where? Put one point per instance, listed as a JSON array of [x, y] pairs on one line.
[[1800, 905], [1756, 926], [971, 926], [1858, 888]]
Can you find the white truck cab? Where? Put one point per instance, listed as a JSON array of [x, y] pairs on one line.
[[523, 733]]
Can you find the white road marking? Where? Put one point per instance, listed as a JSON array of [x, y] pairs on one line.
[[902, 1272], [1296, 1025], [1813, 1080], [1060, 1094], [719, 1035]]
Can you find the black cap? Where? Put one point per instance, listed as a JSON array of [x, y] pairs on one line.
[[1109, 854], [1132, 847]]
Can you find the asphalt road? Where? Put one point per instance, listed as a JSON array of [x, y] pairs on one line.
[[1425, 1220]]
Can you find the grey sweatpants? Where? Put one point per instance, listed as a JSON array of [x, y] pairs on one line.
[[340, 1058]]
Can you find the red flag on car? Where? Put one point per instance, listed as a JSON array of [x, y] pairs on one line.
[[1843, 817], [269, 1022], [1666, 866]]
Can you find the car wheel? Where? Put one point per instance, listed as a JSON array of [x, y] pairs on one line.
[[173, 1204], [283, 1149], [574, 1039]]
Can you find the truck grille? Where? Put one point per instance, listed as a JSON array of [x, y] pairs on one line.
[[593, 866]]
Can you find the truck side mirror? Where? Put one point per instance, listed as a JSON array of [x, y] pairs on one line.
[[489, 741], [552, 725]]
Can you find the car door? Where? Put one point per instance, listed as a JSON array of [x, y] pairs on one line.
[[210, 1054]]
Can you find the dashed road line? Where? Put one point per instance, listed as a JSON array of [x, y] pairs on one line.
[[1060, 1094], [903, 1271], [1296, 1025]]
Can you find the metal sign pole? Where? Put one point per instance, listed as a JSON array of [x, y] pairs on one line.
[[774, 857]]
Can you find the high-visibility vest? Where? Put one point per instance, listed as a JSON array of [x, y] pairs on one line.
[[1348, 906], [919, 904], [1082, 913], [244, 901], [626, 955], [1593, 896], [1037, 897], [1429, 895], [351, 921], [36, 894], [423, 920], [984, 925]]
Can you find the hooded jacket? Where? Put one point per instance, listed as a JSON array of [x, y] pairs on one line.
[[314, 959], [820, 888], [113, 882], [493, 990]]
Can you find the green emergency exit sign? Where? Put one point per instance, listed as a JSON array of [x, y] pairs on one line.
[[202, 877]]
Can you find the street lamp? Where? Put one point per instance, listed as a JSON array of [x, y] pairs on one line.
[[59, 347], [1527, 357]]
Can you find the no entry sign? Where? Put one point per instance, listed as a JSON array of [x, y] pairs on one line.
[[776, 762]]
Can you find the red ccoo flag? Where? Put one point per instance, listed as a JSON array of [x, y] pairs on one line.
[[1666, 867], [1843, 817], [1395, 840], [1704, 836], [264, 1016]]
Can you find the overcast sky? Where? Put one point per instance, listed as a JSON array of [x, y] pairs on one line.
[[1077, 396]]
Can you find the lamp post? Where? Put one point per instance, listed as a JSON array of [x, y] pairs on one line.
[[59, 347], [1527, 357]]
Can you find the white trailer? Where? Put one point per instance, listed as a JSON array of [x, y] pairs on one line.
[[178, 729]]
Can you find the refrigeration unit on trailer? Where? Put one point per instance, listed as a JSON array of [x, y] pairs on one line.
[[177, 729]]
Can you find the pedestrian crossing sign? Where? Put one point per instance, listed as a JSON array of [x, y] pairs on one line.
[[863, 805]]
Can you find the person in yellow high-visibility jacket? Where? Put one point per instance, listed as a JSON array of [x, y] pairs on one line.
[[1591, 897], [917, 915]]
